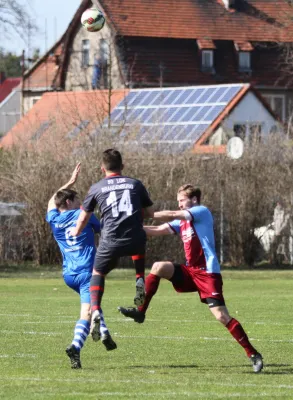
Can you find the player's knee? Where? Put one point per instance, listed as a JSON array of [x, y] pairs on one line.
[[157, 268], [221, 318]]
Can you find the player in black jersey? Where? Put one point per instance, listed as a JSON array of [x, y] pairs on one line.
[[123, 202]]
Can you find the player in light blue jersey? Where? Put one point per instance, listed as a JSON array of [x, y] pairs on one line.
[[78, 255], [201, 272]]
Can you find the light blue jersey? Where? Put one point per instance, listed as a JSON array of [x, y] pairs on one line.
[[78, 252], [197, 234]]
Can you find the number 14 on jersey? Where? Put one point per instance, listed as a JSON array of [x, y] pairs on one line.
[[124, 203]]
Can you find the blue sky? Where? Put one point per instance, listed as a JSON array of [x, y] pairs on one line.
[[58, 15]]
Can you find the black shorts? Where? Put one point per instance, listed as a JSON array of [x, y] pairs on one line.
[[107, 257]]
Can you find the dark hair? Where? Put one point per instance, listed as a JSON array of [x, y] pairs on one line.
[[190, 191], [62, 195], [112, 160]]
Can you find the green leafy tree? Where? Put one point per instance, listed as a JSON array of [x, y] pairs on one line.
[[10, 64]]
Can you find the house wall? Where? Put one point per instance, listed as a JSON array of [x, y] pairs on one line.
[[9, 111], [30, 98], [101, 44], [249, 113], [281, 101], [250, 110]]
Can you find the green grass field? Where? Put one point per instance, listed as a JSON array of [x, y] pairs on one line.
[[179, 352]]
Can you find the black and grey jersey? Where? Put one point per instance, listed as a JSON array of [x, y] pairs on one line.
[[120, 200]]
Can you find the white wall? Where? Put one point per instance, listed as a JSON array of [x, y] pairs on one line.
[[10, 111], [250, 110]]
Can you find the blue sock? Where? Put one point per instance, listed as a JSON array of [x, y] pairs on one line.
[[103, 326], [81, 331]]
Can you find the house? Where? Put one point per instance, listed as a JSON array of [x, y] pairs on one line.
[[162, 43], [59, 119], [194, 118], [9, 103]]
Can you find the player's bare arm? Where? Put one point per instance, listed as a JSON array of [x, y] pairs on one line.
[[170, 215], [70, 183], [82, 221], [159, 230]]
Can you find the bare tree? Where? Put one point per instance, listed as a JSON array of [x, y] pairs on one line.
[[15, 18]]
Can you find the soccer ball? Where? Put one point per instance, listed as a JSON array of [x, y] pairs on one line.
[[93, 19]]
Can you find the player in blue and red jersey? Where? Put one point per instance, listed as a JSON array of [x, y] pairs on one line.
[[201, 273], [78, 255], [122, 202]]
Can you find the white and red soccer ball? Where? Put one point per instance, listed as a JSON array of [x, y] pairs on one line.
[[93, 19]]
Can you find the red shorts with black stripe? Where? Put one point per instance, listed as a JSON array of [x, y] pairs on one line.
[[190, 279]]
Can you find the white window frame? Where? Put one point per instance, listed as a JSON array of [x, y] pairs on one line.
[[270, 98], [210, 54], [85, 53], [244, 59], [34, 100]]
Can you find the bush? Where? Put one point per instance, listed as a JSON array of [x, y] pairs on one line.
[[241, 194]]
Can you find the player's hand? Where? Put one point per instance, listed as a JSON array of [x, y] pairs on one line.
[[74, 175], [73, 232]]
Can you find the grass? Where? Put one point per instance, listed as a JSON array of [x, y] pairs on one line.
[[179, 352]]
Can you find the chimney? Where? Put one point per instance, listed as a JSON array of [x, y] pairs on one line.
[[229, 3], [2, 77]]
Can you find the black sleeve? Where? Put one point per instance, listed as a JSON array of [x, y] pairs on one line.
[[90, 201], [145, 198]]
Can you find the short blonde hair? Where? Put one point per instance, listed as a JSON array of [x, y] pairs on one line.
[[190, 191]]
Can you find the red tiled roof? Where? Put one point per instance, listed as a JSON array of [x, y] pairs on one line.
[[65, 111], [251, 20], [203, 20], [243, 46], [205, 44], [7, 86], [45, 72]]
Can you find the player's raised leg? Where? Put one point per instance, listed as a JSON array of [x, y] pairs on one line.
[[236, 330], [163, 269], [139, 265], [105, 336]]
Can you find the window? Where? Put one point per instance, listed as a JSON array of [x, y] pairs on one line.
[[244, 61], [104, 60], [277, 103], [85, 53], [207, 60], [251, 131], [104, 51], [255, 133], [240, 130], [34, 100]]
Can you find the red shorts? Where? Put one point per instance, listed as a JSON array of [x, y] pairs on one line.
[[190, 279]]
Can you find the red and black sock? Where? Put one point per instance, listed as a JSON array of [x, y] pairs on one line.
[[151, 286], [236, 330], [96, 291], [139, 265]]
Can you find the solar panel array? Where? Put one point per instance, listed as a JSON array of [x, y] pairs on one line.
[[175, 116]]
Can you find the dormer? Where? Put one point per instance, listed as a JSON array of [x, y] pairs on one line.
[[229, 3], [207, 48], [244, 50]]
